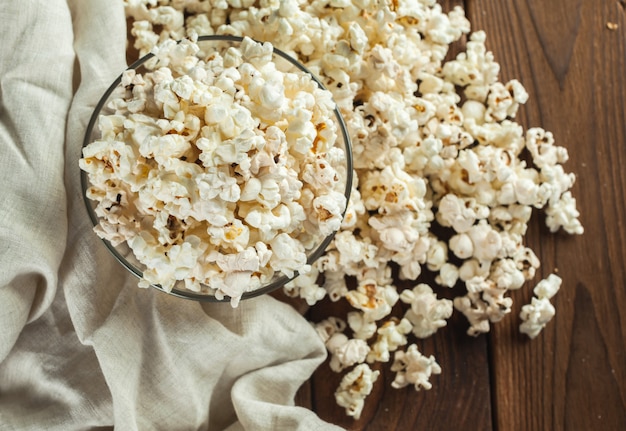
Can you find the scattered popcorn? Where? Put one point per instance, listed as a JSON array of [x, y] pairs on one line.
[[563, 213], [361, 327], [427, 313], [374, 300], [413, 368], [483, 303], [355, 386], [391, 335], [435, 143], [346, 352], [213, 177], [305, 286], [329, 327], [536, 315], [448, 275]]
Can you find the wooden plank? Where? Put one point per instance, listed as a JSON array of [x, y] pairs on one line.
[[571, 56]]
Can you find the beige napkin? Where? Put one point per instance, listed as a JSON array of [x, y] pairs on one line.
[[81, 346]]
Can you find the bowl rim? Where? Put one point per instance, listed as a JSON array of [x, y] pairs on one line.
[[188, 294]]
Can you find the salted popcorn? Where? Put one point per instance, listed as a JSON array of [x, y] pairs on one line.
[[355, 386], [445, 180], [413, 368], [220, 172], [540, 311]]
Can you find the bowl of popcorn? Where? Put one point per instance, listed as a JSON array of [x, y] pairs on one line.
[[216, 168]]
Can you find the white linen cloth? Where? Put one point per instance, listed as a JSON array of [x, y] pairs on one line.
[[81, 346]]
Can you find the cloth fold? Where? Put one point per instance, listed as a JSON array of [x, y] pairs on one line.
[[81, 346]]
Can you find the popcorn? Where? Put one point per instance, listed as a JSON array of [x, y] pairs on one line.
[[391, 335], [462, 246], [437, 255], [486, 241], [564, 214], [202, 183], [540, 144], [305, 286], [355, 386], [329, 327], [503, 100], [454, 213], [361, 327], [536, 315], [427, 313], [434, 142], [346, 352], [373, 299], [413, 368], [448, 275], [506, 274], [483, 303]]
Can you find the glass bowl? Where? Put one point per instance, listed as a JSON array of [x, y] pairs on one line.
[[209, 45]]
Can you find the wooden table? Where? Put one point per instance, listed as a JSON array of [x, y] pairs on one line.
[[571, 57]]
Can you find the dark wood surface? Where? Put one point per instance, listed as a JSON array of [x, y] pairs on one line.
[[571, 57]]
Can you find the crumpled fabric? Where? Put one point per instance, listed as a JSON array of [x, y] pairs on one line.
[[81, 346]]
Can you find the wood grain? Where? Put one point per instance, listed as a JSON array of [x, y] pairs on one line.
[[574, 67]]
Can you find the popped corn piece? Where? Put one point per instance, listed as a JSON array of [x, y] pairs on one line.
[[483, 303], [536, 315], [412, 261], [374, 300], [329, 210], [305, 286], [426, 313], [355, 386], [454, 213], [391, 335], [346, 352], [391, 189], [361, 327], [506, 274], [393, 234], [564, 214], [448, 275], [486, 241], [288, 255], [540, 144], [462, 246], [548, 287], [503, 100], [353, 250], [437, 255], [526, 261], [329, 327], [166, 268], [413, 368], [471, 268]]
